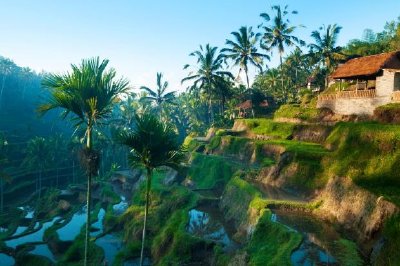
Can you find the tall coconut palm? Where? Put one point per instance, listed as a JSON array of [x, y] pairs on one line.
[[243, 51], [86, 96], [324, 46], [153, 144], [207, 74], [158, 96], [279, 34]]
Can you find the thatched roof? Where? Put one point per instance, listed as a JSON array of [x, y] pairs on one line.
[[367, 66], [248, 104]]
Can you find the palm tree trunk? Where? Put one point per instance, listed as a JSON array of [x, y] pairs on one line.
[[1, 195], [73, 171], [88, 196], [251, 92], [247, 77], [40, 183], [2, 88], [210, 110], [281, 66], [146, 211]]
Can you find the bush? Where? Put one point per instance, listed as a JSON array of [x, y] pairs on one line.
[[389, 113]]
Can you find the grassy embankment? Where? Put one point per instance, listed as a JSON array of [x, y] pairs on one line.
[[168, 242], [369, 154]]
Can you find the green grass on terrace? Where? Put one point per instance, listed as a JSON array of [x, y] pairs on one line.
[[262, 126]]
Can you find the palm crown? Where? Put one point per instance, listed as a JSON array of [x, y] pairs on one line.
[[158, 96], [279, 34], [88, 92], [325, 44], [208, 74], [243, 50], [152, 143]]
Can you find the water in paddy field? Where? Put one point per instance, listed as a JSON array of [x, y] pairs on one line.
[[99, 223], [6, 260], [111, 244], [120, 207], [207, 223], [317, 247], [73, 227], [34, 237], [43, 250]]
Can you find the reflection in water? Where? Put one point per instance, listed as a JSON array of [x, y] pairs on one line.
[[6, 260], [73, 228], [120, 207], [34, 237], [205, 225], [319, 239], [99, 223], [111, 244], [310, 254], [20, 230], [136, 262], [43, 250]]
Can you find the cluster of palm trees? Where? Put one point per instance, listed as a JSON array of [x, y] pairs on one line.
[[209, 74], [87, 96]]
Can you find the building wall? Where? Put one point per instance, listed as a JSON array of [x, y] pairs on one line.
[[385, 83], [397, 81], [355, 105]]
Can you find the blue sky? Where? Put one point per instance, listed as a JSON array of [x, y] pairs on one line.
[[142, 37]]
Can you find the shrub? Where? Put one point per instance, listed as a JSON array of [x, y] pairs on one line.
[[389, 113]]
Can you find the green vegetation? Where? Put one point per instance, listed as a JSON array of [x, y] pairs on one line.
[[209, 171], [89, 93], [368, 153], [389, 113], [270, 128], [389, 255], [272, 243], [152, 145], [348, 255], [297, 112]]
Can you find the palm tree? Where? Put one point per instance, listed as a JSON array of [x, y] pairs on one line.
[[325, 47], [88, 94], [38, 157], [280, 34], [3, 175], [6, 66], [243, 50], [208, 74], [152, 144], [158, 96]]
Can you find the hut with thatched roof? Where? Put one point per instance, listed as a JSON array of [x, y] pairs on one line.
[[375, 81], [246, 108]]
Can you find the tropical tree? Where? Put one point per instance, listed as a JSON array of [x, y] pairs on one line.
[[58, 152], [279, 34], [158, 96], [3, 174], [208, 75], [152, 144], [6, 66], [243, 51], [324, 46], [38, 158], [86, 96]]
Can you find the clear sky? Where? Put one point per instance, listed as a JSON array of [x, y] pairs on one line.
[[142, 37]]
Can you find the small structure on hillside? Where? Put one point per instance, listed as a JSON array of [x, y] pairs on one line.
[[375, 81], [245, 109]]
